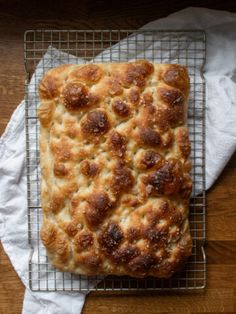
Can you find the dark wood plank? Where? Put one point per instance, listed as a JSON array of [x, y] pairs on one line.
[[221, 209], [221, 252], [11, 288], [219, 299]]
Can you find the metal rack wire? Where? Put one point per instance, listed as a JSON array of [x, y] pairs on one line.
[[41, 53]]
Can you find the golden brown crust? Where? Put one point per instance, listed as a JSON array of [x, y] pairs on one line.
[[120, 107], [95, 123], [115, 168]]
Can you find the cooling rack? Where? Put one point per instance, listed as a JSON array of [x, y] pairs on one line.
[[44, 49]]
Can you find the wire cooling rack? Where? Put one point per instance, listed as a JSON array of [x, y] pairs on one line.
[[41, 53]]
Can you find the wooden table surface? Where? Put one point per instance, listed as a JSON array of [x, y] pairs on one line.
[[15, 18]]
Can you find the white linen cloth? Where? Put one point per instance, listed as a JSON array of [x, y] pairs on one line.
[[220, 75]]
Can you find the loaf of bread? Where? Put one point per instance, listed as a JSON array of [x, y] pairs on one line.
[[114, 156]]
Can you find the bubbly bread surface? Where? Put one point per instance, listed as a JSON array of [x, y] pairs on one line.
[[114, 155]]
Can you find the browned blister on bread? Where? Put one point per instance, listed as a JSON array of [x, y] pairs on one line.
[[114, 155]]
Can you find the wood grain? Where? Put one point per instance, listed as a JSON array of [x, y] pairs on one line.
[[11, 288], [15, 18]]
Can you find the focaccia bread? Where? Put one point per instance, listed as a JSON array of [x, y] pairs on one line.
[[114, 154]]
